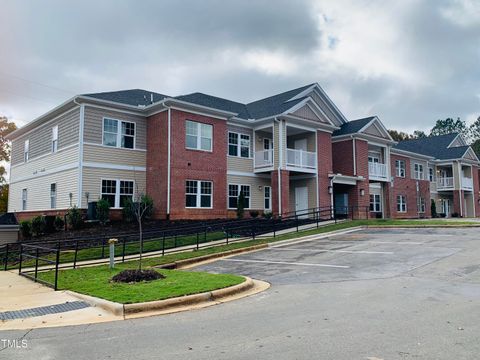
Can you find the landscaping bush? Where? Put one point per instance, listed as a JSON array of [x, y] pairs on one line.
[[74, 218], [38, 225], [267, 214], [59, 223], [253, 213], [240, 205], [26, 229], [133, 276], [455, 215], [433, 209], [103, 211], [50, 224]]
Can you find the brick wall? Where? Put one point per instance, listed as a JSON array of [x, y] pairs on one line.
[[324, 158], [285, 191], [342, 157], [476, 189], [360, 203]]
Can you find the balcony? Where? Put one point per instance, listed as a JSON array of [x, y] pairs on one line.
[[445, 183], [263, 159], [467, 183], [377, 171], [301, 159]]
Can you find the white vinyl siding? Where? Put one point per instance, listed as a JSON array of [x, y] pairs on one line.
[[198, 136]]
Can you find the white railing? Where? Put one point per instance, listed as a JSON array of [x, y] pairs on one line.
[[263, 158], [444, 183], [467, 183], [377, 170], [301, 158]]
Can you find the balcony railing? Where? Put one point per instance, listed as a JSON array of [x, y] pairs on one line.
[[467, 183], [444, 183], [263, 158], [301, 158], [377, 170]]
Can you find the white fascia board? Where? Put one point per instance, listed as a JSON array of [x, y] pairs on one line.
[[378, 124], [310, 123], [469, 149], [331, 104], [455, 138], [187, 105], [411, 154], [362, 136]]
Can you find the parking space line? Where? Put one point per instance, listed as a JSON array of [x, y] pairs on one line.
[[336, 251], [396, 243], [288, 263]]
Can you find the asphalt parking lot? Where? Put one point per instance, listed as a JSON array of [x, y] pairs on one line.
[[373, 294]]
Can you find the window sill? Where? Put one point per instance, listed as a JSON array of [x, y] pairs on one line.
[[199, 208], [200, 150]]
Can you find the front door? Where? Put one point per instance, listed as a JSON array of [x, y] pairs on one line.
[[341, 204], [301, 201], [446, 207]]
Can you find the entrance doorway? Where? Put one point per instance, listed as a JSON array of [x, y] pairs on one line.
[[301, 201]]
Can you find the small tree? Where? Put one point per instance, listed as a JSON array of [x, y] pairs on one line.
[[103, 211], [74, 218], [38, 225], [240, 205], [433, 208], [140, 211]]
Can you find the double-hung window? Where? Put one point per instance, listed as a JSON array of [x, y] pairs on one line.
[[238, 145], [267, 198], [400, 168], [118, 133], [198, 194], [234, 191], [401, 203], [55, 138], [198, 136], [53, 196], [117, 192], [431, 174], [24, 199], [375, 203], [26, 150], [418, 171], [421, 205]]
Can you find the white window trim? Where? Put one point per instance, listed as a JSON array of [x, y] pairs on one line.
[[239, 186], [398, 168], [199, 137], [199, 194], [416, 174], [117, 190], [419, 205], [53, 197], [239, 147], [54, 144], [119, 133], [24, 199], [432, 178], [265, 198], [26, 151], [402, 202], [379, 203]]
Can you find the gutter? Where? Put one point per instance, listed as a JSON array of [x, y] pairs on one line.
[[169, 131], [80, 153]]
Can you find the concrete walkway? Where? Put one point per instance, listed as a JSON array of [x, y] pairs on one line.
[[20, 293]]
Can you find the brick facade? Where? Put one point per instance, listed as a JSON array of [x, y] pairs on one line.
[[342, 157], [285, 192], [324, 158]]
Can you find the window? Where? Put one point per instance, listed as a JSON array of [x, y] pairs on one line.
[[400, 168], [126, 192], [117, 192], [401, 203], [268, 197], [373, 159], [24, 199], [234, 192], [198, 194], [26, 150], [55, 138], [53, 196], [198, 136], [375, 203], [238, 148], [118, 133], [421, 205], [418, 171], [431, 174], [109, 191]]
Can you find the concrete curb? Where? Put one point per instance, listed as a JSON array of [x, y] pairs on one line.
[[419, 226], [170, 305]]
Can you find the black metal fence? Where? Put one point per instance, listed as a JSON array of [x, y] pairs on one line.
[[71, 253]]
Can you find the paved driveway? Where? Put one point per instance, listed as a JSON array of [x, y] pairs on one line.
[[376, 294]]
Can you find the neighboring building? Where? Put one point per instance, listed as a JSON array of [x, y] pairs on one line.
[[194, 154]]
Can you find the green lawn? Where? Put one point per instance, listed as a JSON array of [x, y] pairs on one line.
[[95, 281]]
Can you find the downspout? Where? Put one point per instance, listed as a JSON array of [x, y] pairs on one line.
[[354, 156], [280, 161], [169, 132], [460, 191], [332, 206], [80, 153]]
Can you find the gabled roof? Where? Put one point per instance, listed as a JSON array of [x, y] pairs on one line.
[[435, 146], [216, 103], [133, 97], [353, 126]]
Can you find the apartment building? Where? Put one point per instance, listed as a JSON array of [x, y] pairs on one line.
[[194, 154]]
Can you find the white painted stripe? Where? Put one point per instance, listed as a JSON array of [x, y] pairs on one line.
[[287, 263], [338, 251], [395, 242]]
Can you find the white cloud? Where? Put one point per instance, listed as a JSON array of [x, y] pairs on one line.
[[464, 13]]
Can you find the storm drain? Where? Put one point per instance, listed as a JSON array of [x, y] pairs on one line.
[[43, 310]]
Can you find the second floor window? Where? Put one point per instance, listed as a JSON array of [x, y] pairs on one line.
[[238, 145], [26, 150], [118, 133], [53, 196], [55, 138], [431, 174], [418, 171], [400, 168], [401, 203], [24, 199], [198, 136]]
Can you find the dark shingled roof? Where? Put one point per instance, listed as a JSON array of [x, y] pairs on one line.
[[133, 97], [353, 126], [8, 219], [435, 146], [216, 103]]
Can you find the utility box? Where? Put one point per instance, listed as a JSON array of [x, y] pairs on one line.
[[92, 210]]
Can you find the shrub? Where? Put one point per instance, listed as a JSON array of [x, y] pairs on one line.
[[131, 276], [103, 211], [74, 218], [26, 229], [50, 224], [240, 205], [433, 208], [455, 215], [267, 214], [253, 213], [59, 223], [38, 225]]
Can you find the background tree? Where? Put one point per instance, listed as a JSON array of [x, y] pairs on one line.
[[418, 134], [448, 126], [6, 127], [3, 198], [399, 135]]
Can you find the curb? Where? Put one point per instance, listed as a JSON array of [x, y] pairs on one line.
[[419, 226], [171, 305]]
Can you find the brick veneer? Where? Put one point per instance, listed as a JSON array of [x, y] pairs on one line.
[[324, 159], [285, 191], [342, 157]]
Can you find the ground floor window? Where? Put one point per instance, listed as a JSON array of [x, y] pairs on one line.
[[24, 199], [375, 203], [53, 196], [401, 203], [234, 192], [198, 194], [268, 198], [117, 192], [421, 205]]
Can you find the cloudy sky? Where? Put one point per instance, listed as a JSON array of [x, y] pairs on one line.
[[410, 62]]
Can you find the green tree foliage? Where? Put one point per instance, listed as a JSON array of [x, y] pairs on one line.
[[433, 208], [418, 134], [448, 126], [3, 198], [399, 135], [6, 127], [240, 205], [103, 211]]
